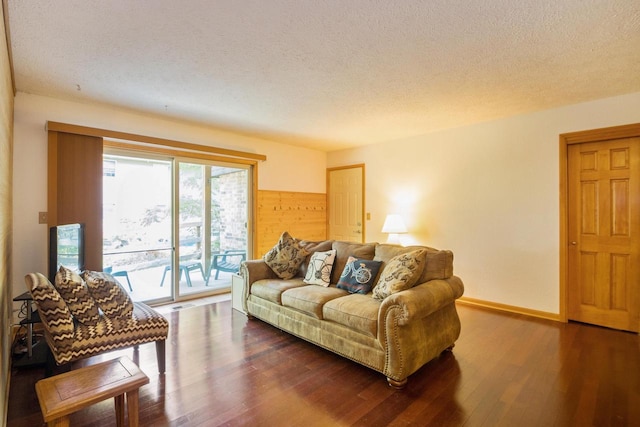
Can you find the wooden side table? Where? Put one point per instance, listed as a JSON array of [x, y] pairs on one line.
[[67, 393]]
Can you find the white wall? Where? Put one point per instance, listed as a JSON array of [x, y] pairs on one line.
[[488, 192], [30, 163]]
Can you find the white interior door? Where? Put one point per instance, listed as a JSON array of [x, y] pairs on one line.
[[346, 203]]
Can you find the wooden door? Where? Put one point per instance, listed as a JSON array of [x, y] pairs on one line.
[[345, 203], [604, 232]]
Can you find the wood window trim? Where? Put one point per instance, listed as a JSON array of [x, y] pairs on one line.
[[171, 152], [144, 143], [105, 133]]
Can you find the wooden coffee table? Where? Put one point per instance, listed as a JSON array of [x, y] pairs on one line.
[[67, 393]]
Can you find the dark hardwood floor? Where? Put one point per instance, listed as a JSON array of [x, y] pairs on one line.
[[506, 369]]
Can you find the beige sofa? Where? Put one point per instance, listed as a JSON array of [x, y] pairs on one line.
[[395, 336]]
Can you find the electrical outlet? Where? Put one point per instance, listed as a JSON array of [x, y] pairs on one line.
[[368, 216], [42, 218]]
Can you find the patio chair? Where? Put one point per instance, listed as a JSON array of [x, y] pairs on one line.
[[120, 273], [228, 261], [185, 268]]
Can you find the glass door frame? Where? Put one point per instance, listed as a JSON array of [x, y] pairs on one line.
[[207, 220], [176, 156]]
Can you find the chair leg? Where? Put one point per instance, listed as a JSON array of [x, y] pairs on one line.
[[51, 367], [160, 355], [163, 276], [187, 276], [126, 276], [49, 364]]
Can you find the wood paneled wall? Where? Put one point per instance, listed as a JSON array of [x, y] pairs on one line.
[[303, 215]]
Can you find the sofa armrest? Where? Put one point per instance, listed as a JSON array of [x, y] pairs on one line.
[[252, 271], [256, 269], [416, 325], [421, 300]]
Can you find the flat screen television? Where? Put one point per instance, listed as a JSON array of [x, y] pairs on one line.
[[66, 247]]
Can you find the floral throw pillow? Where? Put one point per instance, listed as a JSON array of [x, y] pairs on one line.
[[75, 293], [400, 273], [111, 297], [319, 270], [358, 275], [286, 256]]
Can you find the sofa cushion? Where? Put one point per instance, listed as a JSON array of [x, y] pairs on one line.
[[272, 289], [400, 273], [286, 256], [439, 263], [143, 325], [319, 270], [359, 275], [355, 311], [75, 293], [111, 297], [310, 299], [346, 249]]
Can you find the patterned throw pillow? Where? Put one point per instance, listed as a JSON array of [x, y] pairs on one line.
[[109, 294], [319, 270], [358, 275], [285, 257], [400, 273], [76, 294], [55, 315]]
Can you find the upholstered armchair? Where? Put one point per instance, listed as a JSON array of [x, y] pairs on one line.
[[91, 315]]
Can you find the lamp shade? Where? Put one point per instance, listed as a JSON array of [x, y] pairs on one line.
[[394, 224]]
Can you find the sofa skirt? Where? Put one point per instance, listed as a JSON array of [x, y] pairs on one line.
[[332, 336]]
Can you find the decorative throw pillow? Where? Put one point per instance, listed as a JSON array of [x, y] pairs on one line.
[[55, 315], [358, 275], [285, 257], [109, 294], [400, 273], [319, 270], [75, 293]]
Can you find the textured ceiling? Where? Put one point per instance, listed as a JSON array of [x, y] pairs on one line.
[[328, 74]]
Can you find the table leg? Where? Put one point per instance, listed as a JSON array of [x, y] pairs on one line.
[[59, 422], [132, 407], [119, 401]]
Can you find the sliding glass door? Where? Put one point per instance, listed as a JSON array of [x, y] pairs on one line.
[[137, 243], [174, 227], [212, 224]]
